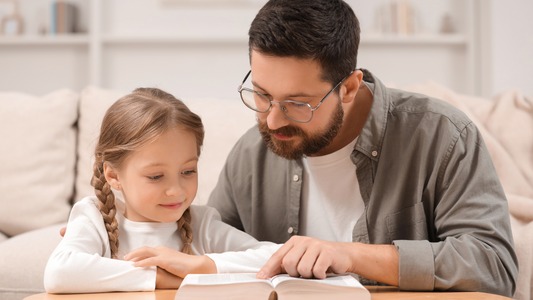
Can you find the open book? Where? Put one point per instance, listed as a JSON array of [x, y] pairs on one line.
[[282, 287]]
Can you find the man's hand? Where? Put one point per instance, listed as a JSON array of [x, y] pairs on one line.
[[165, 280], [309, 257], [175, 262], [62, 231]]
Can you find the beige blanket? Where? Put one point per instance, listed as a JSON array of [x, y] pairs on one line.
[[506, 124]]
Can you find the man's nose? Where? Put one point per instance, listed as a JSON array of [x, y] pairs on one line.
[[276, 119]]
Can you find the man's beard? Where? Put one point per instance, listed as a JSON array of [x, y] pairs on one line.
[[309, 144]]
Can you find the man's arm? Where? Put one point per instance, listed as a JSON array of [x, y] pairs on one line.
[[471, 245], [309, 257]]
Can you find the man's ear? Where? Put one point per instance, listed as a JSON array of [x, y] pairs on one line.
[[112, 177], [350, 86]]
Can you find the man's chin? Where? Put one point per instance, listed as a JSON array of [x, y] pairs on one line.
[[287, 149]]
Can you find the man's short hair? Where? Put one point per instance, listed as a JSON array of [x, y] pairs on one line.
[[323, 30]]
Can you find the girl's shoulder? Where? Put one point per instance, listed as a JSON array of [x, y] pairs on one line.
[[200, 212], [87, 207], [89, 203]]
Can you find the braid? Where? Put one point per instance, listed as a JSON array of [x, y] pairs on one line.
[[184, 226], [103, 192]]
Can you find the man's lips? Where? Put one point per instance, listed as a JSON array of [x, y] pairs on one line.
[[282, 137], [172, 205]]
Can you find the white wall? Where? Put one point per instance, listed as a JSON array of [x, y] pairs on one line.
[[512, 45], [214, 69]]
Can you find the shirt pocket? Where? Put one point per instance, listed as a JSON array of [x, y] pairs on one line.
[[408, 224]]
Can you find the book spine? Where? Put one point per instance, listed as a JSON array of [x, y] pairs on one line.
[[53, 10], [69, 18], [60, 17]]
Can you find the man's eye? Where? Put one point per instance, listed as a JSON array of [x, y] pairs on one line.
[[190, 172], [155, 177]]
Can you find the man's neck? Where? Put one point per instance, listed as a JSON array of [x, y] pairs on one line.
[[355, 115]]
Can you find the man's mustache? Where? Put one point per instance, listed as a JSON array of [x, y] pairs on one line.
[[287, 131]]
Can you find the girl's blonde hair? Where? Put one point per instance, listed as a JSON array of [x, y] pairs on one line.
[[132, 122]]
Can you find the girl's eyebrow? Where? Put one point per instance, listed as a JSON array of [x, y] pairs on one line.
[[298, 95], [159, 164]]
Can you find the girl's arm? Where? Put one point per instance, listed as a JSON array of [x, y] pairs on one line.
[[232, 250], [228, 249], [81, 262]]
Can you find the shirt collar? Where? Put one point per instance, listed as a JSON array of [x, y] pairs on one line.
[[371, 137]]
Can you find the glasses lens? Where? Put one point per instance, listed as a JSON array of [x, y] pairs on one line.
[[297, 111], [255, 100]]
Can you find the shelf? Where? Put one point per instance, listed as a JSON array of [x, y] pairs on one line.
[[45, 40], [418, 39], [453, 39], [196, 39]]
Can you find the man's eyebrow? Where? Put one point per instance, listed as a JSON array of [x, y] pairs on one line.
[[298, 95]]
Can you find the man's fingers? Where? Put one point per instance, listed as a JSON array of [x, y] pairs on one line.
[[62, 231], [292, 260], [273, 265], [306, 265], [321, 266]]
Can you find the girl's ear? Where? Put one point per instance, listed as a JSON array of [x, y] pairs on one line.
[[350, 86], [112, 177]]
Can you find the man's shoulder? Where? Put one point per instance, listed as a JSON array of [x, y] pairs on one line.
[[415, 105], [249, 145]]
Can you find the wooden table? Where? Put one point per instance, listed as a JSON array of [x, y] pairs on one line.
[[377, 293]]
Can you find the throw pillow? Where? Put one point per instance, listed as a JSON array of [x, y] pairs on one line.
[[37, 159]]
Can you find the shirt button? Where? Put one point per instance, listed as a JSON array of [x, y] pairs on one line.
[[295, 178], [374, 153], [291, 230]]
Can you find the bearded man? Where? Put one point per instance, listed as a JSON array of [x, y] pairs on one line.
[[352, 176]]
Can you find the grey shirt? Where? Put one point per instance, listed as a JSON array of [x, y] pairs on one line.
[[428, 184]]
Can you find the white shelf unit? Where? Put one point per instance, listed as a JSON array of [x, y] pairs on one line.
[[210, 63]]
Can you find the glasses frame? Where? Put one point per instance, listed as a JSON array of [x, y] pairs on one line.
[[241, 88]]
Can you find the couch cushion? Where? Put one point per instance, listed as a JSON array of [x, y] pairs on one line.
[[94, 102], [37, 159], [23, 259], [225, 121]]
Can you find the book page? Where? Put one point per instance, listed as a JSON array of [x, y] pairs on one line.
[[216, 279], [332, 279]]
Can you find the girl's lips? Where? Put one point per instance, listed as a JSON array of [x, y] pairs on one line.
[[172, 205], [282, 137]]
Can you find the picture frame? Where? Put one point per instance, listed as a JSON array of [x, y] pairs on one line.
[[11, 22]]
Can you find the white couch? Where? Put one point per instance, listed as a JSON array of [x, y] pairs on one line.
[[46, 163], [46, 151]]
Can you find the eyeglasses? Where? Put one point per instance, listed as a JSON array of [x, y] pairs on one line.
[[296, 111]]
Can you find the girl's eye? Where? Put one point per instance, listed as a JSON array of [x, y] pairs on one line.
[[155, 177], [188, 173]]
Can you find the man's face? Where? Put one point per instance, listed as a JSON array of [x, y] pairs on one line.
[[295, 79]]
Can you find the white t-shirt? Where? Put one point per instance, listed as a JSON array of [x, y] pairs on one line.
[[81, 262], [331, 199]]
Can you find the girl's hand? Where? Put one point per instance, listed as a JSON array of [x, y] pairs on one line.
[[165, 280], [175, 262]]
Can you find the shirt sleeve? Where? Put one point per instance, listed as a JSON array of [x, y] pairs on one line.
[[232, 250], [81, 262], [222, 196], [475, 251]]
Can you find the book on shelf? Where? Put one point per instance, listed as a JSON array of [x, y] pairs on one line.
[[63, 18], [281, 287]]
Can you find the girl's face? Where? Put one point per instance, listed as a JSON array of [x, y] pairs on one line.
[[159, 182]]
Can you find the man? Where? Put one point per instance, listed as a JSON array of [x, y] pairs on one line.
[[396, 187]]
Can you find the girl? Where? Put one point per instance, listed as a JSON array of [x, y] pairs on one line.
[[145, 178]]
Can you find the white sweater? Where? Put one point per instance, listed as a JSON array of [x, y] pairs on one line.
[[82, 262]]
